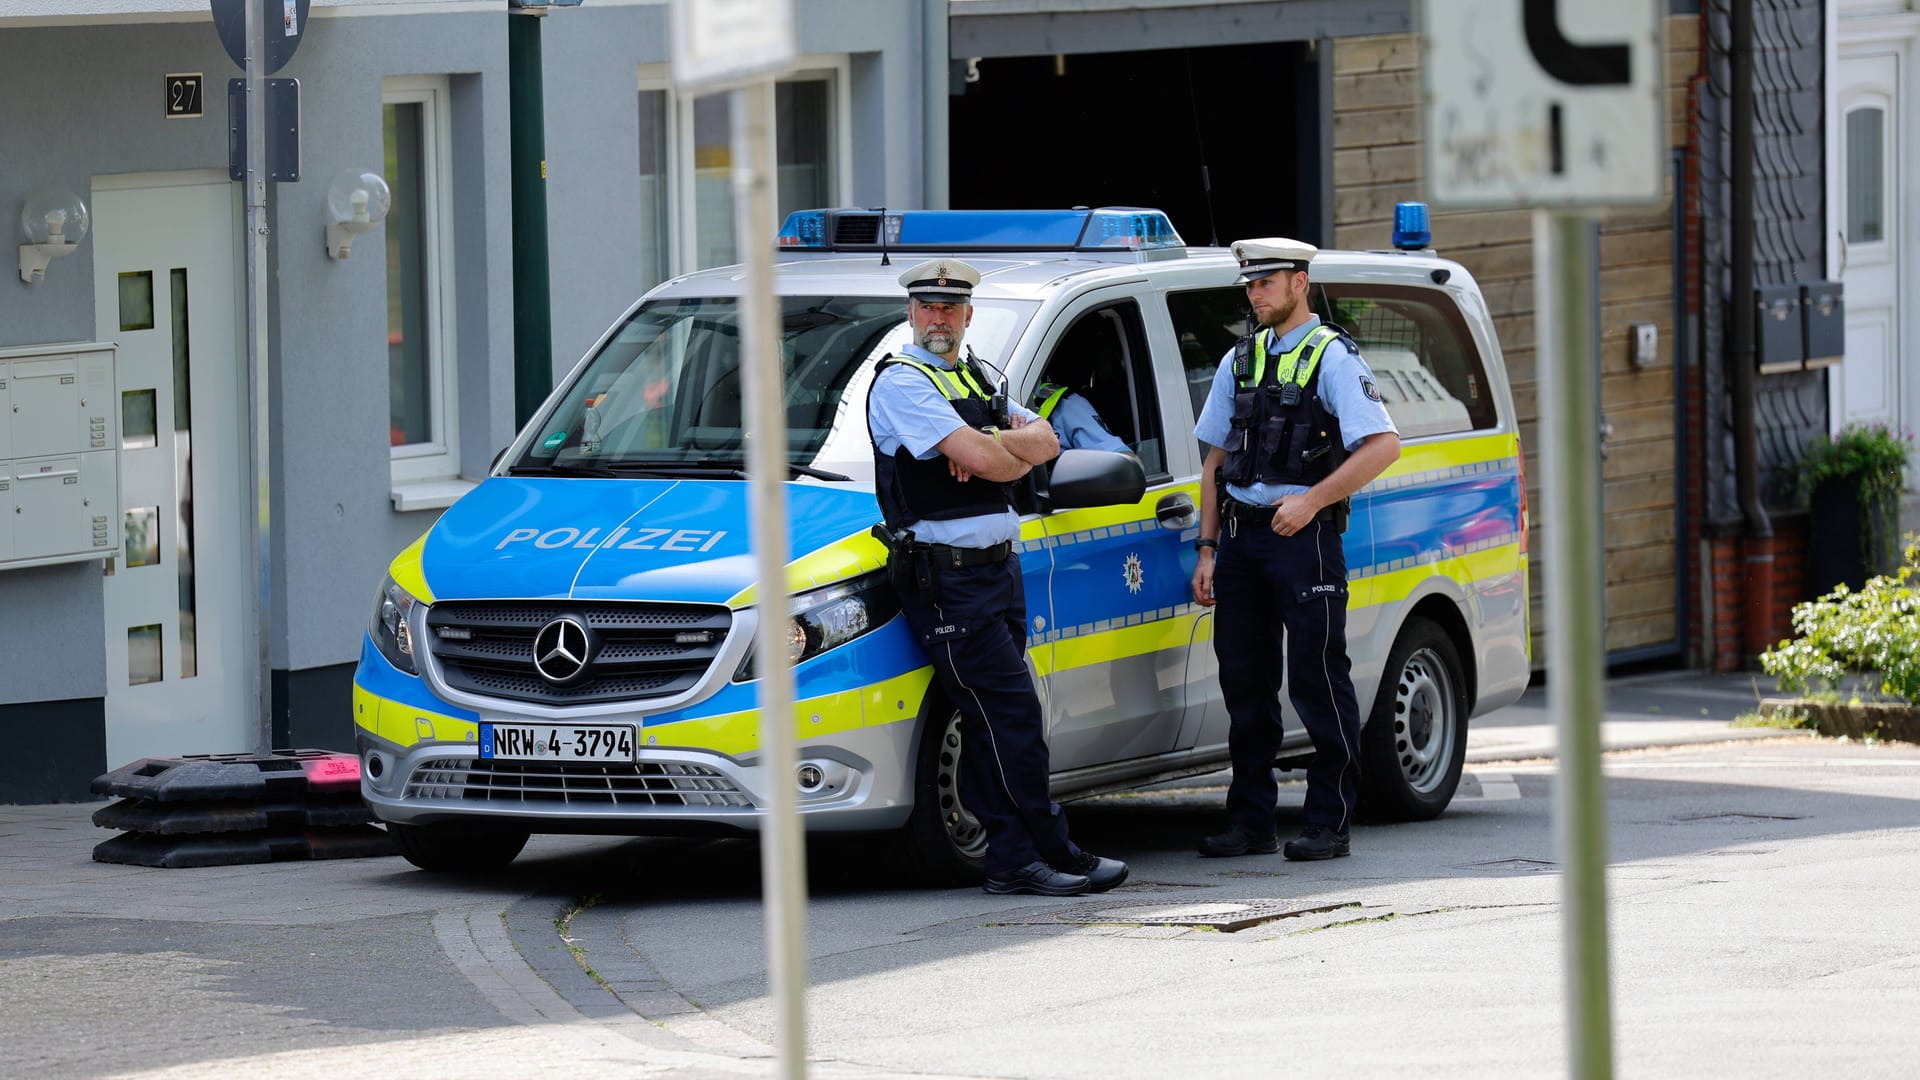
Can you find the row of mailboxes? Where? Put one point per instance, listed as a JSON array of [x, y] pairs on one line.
[[1799, 326], [59, 455]]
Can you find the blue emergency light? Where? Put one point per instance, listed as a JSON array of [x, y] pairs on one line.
[[1109, 228], [1412, 230]]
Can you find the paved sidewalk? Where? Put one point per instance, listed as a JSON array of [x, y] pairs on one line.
[[1642, 711]]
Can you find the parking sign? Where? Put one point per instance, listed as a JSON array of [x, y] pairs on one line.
[[1544, 103]]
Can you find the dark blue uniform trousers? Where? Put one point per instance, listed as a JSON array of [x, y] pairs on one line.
[[974, 629], [1286, 597]]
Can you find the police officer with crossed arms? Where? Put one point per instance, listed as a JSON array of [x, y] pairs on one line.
[[942, 463], [1294, 426]]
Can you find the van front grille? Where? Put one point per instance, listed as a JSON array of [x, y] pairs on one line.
[[640, 651], [520, 782]]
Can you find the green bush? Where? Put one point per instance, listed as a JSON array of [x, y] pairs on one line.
[[1869, 458], [1874, 630]]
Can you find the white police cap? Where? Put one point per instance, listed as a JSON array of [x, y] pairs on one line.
[[941, 281], [1258, 258]]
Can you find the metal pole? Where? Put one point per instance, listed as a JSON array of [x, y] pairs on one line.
[[1566, 296], [782, 844], [259, 406], [527, 151], [937, 69]]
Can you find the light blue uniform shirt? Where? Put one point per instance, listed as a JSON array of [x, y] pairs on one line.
[[1346, 388], [1078, 425], [906, 409]]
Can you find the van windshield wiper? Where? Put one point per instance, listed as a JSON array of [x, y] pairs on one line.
[[734, 468], [562, 469]]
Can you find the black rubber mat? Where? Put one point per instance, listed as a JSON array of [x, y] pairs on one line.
[[229, 849], [175, 818], [288, 774]]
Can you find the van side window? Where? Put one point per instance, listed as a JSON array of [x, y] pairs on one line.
[[1104, 358], [1206, 323], [1430, 373]]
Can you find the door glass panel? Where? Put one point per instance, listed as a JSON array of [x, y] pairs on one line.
[[1425, 364], [143, 536], [143, 655], [137, 421], [409, 376], [136, 300], [712, 181], [1103, 359], [800, 124], [183, 477], [1866, 164]]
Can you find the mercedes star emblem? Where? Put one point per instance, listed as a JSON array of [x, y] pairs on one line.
[[562, 650]]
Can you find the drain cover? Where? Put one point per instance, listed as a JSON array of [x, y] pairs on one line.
[[1739, 815], [1224, 915]]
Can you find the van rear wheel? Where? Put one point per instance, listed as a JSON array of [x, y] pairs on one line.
[[944, 842], [448, 849], [1415, 743]]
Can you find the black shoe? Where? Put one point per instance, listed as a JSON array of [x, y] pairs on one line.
[[1238, 841], [1041, 880], [1101, 874], [1317, 842]]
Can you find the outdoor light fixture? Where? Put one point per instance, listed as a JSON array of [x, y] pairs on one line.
[[357, 202], [55, 221]]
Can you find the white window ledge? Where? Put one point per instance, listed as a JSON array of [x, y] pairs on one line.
[[430, 494]]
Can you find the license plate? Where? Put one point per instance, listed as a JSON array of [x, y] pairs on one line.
[[556, 742]]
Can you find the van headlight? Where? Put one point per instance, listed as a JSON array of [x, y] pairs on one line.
[[391, 632], [828, 618]]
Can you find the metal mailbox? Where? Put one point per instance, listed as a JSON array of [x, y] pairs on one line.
[[1779, 333], [1823, 308]]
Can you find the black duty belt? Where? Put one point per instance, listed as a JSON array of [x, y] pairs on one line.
[[945, 557], [1238, 511]]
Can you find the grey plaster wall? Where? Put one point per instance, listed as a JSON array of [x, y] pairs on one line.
[[86, 102]]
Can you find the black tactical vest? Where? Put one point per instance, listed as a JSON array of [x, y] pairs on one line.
[[1282, 433], [913, 490]]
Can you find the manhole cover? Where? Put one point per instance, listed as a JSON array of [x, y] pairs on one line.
[[1739, 815], [1223, 915]]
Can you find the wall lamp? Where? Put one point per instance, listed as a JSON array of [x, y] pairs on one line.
[[55, 221], [357, 202]]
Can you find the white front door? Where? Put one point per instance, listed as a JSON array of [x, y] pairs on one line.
[[1870, 219], [166, 257]]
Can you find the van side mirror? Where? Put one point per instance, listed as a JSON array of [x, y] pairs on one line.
[[1095, 478]]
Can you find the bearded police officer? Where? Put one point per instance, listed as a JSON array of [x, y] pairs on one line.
[[1294, 426], [942, 463]]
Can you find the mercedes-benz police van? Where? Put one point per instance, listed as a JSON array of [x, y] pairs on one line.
[[570, 648]]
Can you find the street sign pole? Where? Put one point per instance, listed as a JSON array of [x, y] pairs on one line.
[[259, 678], [1560, 107], [1566, 298], [741, 45], [782, 843]]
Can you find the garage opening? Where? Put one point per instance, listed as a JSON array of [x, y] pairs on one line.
[[1153, 128]]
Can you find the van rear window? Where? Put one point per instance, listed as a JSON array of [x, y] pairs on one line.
[[1424, 360]]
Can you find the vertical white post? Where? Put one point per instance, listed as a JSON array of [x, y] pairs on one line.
[[1565, 253], [782, 843], [258, 634]]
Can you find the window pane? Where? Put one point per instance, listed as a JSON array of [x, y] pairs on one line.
[[801, 124], [712, 182], [1866, 201], [138, 429], [143, 536], [136, 300], [410, 381], [1424, 361], [654, 232], [183, 478], [143, 655], [1103, 358], [1206, 322]]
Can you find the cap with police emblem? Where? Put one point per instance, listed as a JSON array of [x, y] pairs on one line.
[[941, 281], [1258, 258]]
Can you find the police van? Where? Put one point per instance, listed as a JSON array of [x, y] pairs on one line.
[[570, 648]]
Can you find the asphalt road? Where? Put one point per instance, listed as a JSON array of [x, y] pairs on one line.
[[1761, 895]]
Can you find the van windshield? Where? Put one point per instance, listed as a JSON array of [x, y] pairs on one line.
[[666, 389]]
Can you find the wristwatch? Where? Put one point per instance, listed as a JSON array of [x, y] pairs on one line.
[[1205, 542]]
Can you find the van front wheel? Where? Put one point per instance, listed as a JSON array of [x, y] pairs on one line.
[[1415, 743], [945, 843]]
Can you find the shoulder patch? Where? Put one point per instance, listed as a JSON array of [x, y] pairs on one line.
[[1369, 389]]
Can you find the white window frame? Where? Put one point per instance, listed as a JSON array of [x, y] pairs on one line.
[[416, 463], [834, 70]]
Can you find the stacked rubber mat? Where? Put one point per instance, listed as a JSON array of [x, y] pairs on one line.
[[226, 809]]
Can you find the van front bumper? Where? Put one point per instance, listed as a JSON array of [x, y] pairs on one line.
[[863, 782]]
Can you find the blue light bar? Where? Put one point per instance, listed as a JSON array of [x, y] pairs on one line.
[[1411, 228], [1106, 229]]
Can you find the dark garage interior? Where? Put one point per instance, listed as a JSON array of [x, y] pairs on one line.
[[1137, 129]]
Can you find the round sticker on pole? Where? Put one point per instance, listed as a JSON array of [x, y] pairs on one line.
[[286, 25]]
